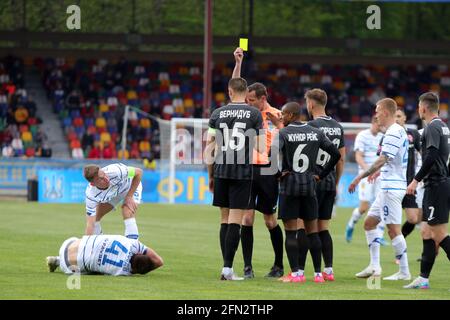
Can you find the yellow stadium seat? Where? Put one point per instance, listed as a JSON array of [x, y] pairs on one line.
[[227, 72], [183, 71], [292, 73], [100, 122], [179, 109], [105, 137], [189, 103], [220, 97], [131, 95], [103, 107], [119, 154], [145, 123], [165, 82], [144, 146], [27, 136], [435, 87]]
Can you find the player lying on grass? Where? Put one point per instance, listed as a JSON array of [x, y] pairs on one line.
[[105, 254], [109, 186]]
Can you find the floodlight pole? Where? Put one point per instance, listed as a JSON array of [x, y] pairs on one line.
[[207, 58], [124, 131]]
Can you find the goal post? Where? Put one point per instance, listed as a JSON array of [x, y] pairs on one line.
[[187, 143]]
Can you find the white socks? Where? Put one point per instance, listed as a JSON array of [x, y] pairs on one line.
[[131, 229], [399, 245], [97, 228], [380, 228], [328, 270], [356, 215], [227, 271], [373, 240]]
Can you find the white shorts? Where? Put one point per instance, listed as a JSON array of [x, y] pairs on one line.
[[64, 259], [419, 194], [367, 191], [388, 206], [137, 196]]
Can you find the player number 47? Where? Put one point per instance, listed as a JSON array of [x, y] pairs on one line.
[[112, 251]]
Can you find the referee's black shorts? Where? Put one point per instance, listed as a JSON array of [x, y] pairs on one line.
[[264, 191], [325, 200], [436, 203], [233, 194]]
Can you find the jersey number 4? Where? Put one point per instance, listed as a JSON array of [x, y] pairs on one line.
[[111, 251]]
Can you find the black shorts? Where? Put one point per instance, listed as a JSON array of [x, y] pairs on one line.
[[435, 203], [325, 200], [232, 193], [264, 191], [409, 201], [291, 207]]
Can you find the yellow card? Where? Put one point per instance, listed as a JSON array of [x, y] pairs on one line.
[[243, 44]]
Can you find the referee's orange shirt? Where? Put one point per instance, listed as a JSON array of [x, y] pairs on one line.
[[271, 130]]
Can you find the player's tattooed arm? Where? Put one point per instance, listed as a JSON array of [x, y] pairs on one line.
[[381, 161]]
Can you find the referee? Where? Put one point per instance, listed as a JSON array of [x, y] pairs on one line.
[[265, 186], [435, 174]]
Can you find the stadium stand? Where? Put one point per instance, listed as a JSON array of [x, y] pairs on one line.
[[20, 133], [89, 97]]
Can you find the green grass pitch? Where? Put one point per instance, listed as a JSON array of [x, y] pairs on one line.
[[187, 239]]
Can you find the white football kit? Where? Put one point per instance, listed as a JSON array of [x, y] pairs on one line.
[[388, 202], [368, 144], [105, 254], [120, 178]]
